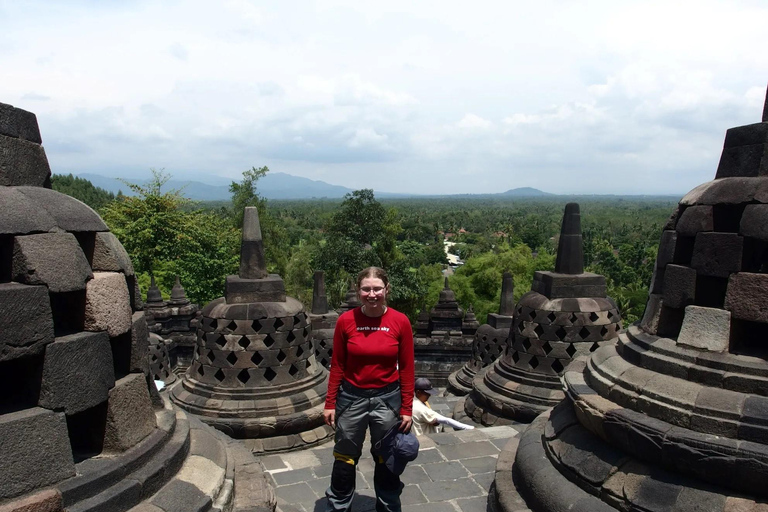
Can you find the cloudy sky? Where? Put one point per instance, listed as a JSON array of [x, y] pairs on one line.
[[401, 96]]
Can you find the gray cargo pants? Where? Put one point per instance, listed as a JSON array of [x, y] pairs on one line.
[[356, 410]]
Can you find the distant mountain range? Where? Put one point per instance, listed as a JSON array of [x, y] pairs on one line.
[[275, 185]]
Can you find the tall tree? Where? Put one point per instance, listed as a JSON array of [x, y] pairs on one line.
[[165, 238]]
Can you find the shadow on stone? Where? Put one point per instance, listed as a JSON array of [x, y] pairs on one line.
[[359, 503]]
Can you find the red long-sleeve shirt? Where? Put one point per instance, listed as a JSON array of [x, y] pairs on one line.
[[371, 353]]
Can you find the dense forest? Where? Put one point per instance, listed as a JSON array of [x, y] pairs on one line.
[[168, 235]]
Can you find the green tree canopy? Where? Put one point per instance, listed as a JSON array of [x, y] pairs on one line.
[[165, 239], [82, 190]]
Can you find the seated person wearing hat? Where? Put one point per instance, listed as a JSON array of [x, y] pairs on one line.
[[426, 420]]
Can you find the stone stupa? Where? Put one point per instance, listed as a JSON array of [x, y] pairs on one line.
[[675, 416], [566, 314], [489, 342], [351, 300], [323, 321], [82, 426], [446, 344], [255, 377], [175, 321]]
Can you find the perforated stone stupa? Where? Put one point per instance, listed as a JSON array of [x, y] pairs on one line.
[[78, 430], [175, 321], [323, 321], [566, 314], [351, 300], [256, 377], [674, 416], [446, 344], [489, 342]]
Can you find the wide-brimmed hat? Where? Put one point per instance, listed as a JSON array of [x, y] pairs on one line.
[[423, 384]]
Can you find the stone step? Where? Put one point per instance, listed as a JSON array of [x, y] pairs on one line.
[[214, 468], [118, 486]]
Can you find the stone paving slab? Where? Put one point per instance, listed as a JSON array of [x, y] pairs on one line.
[[452, 473]]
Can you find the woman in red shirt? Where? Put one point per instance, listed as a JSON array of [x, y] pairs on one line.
[[370, 386]]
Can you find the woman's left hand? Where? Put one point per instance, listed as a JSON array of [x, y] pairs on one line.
[[405, 423]]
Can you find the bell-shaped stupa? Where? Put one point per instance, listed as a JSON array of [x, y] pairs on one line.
[[255, 376], [444, 346], [323, 321], [489, 342], [675, 415], [566, 314], [82, 426]]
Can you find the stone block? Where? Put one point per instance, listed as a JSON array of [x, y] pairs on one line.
[[650, 321], [130, 417], [657, 281], [48, 500], [754, 221], [557, 286], [241, 291], [666, 252], [109, 255], [35, 451], [679, 286], [672, 220], [707, 328], [23, 163], [747, 296], [695, 219], [19, 216], [743, 161], [746, 135], [53, 259], [499, 321], [18, 123], [77, 372], [69, 213], [107, 304], [139, 343], [717, 254], [733, 191], [25, 320]]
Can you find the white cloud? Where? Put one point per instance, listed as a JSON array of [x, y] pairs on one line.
[[425, 96], [473, 122]]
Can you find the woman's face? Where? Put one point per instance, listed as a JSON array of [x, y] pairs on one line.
[[373, 294]]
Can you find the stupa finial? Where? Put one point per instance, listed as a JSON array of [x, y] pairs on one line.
[[319, 299], [507, 303], [252, 262], [570, 251], [765, 108]]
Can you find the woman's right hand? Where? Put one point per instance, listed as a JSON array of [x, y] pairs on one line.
[[329, 416]]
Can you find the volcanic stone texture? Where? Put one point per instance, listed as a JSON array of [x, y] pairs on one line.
[[36, 451], [489, 342], [323, 321], [58, 374], [545, 337], [674, 416], [256, 377], [130, 417], [51, 259], [25, 320], [77, 426], [159, 361], [77, 373], [715, 256], [443, 344], [107, 304]]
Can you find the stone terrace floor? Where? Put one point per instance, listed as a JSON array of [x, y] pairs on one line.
[[453, 471]]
